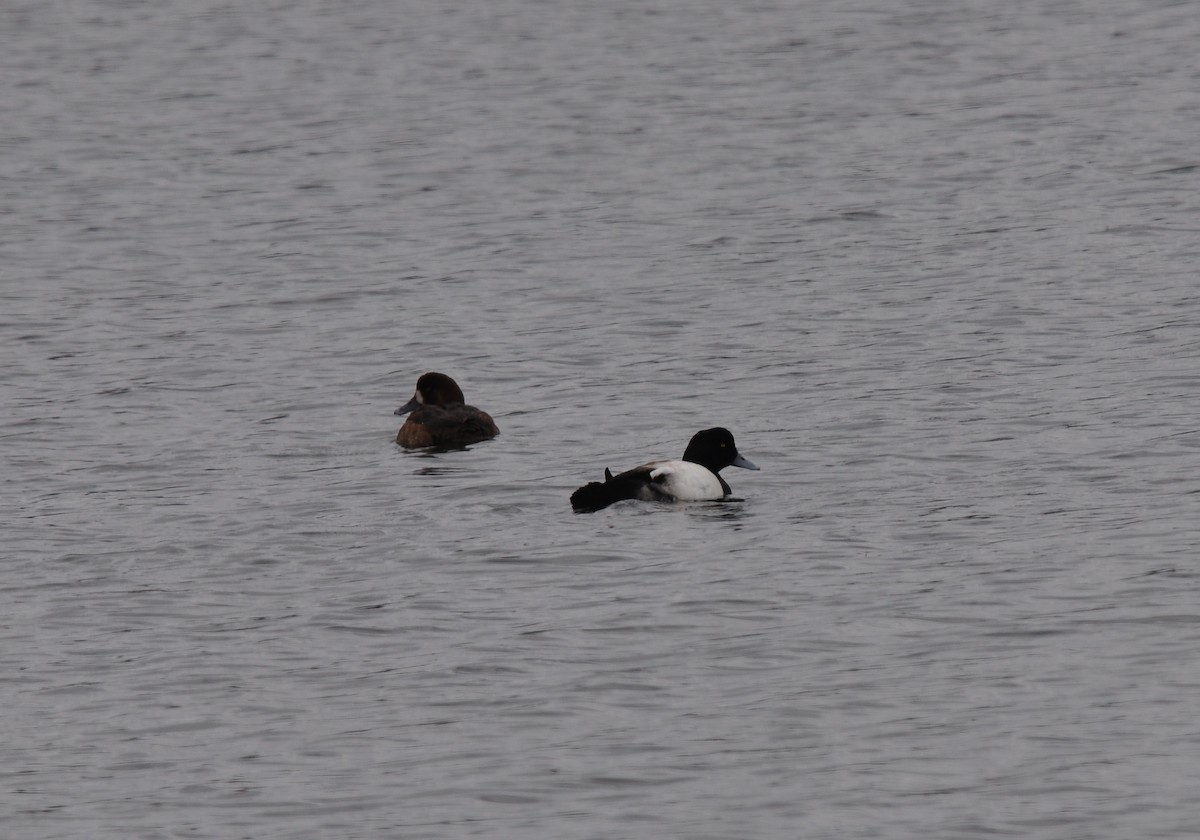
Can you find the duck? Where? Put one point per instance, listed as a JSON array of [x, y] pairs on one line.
[[693, 478], [441, 417]]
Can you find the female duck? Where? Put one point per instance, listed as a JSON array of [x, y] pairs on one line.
[[694, 478], [440, 417]]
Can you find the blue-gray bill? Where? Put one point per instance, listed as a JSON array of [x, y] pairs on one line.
[[407, 407]]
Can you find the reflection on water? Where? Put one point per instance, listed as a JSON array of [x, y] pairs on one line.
[[438, 471]]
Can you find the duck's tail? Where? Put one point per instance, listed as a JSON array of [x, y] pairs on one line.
[[595, 496]]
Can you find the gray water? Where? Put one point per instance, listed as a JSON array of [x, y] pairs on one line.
[[934, 264]]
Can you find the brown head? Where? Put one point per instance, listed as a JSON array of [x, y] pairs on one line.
[[433, 389]]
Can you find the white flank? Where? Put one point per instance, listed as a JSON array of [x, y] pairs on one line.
[[688, 482]]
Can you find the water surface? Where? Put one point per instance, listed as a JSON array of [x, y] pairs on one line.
[[935, 268]]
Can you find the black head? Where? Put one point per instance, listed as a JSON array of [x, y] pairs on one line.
[[715, 449], [433, 389]]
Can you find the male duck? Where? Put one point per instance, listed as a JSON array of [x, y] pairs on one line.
[[440, 418], [694, 478]]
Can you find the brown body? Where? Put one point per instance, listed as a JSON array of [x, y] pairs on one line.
[[441, 418]]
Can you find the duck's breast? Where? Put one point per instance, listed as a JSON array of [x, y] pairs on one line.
[[454, 425]]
